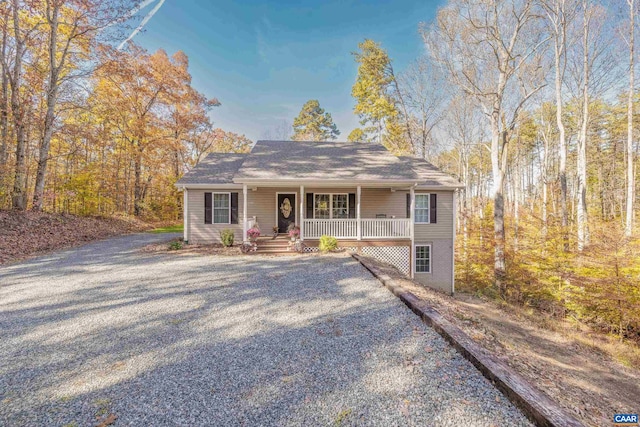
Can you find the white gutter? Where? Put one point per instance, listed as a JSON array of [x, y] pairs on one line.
[[325, 183], [205, 186]]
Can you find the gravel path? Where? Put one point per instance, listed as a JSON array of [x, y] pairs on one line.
[[223, 341]]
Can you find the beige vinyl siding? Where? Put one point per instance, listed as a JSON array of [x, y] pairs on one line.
[[443, 229], [198, 231], [376, 201], [440, 276], [262, 204]]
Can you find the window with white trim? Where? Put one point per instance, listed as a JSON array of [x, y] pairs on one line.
[[322, 206], [340, 206], [221, 208], [330, 206], [421, 212], [422, 258]]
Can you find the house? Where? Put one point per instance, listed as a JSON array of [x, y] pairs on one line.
[[398, 209]]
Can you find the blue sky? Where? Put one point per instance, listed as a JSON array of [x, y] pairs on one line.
[[264, 59]]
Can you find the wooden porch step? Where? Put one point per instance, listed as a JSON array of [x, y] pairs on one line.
[[271, 251], [273, 244]]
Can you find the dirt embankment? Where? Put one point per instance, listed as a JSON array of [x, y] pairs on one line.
[[25, 234], [576, 368]]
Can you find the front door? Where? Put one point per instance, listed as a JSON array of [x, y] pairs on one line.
[[286, 211]]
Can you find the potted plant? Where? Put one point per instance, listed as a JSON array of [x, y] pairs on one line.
[[253, 233], [275, 231], [294, 232]]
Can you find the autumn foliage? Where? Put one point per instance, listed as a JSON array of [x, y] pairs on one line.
[[89, 129]]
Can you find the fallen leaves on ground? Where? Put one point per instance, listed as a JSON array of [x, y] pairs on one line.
[[589, 384], [108, 421], [190, 249], [24, 234]]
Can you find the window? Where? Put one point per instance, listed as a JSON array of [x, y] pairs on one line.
[[322, 208], [221, 208], [423, 259], [330, 206], [422, 208], [340, 208]]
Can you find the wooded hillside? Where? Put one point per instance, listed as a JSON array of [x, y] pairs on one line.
[[86, 128], [532, 104]]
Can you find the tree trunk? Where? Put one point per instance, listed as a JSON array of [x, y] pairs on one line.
[[137, 184], [582, 220], [4, 100], [19, 196], [545, 189], [628, 230], [562, 145], [498, 198], [52, 95]]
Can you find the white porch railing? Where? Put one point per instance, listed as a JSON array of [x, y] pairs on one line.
[[338, 228], [382, 228], [251, 222]]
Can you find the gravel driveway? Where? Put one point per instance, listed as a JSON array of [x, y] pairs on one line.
[[223, 341]]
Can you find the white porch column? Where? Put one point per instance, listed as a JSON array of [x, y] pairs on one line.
[[453, 245], [244, 213], [301, 215], [185, 213], [412, 228], [359, 221]]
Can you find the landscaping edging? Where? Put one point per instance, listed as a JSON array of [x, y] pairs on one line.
[[535, 404]]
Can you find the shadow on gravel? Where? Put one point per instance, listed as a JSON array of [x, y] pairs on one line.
[[198, 340]]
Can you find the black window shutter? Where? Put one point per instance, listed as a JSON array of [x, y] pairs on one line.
[[433, 208], [207, 208], [309, 206], [352, 205], [234, 208], [408, 205]]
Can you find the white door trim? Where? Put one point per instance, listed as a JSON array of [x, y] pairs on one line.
[[295, 195]]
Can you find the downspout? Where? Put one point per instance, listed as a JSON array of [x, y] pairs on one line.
[[185, 214], [453, 242], [412, 227]]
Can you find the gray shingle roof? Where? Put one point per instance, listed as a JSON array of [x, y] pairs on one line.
[[315, 161], [326, 161], [429, 175], [216, 168]]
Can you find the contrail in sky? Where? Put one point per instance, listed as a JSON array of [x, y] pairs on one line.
[[144, 21], [129, 14]]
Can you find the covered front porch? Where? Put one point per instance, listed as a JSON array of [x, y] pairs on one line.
[[358, 213]]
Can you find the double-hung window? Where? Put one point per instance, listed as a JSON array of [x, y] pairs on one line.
[[221, 208], [422, 209], [322, 206], [423, 258], [340, 206], [330, 206]]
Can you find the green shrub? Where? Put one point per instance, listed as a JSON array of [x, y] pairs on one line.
[[328, 244], [226, 237], [175, 246]]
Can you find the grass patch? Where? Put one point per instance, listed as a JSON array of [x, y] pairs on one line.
[[178, 228]]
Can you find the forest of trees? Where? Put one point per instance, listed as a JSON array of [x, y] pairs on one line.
[[531, 103], [86, 128]]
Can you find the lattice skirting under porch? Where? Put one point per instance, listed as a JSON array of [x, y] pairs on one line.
[[398, 256]]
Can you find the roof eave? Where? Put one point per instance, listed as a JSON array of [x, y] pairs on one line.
[[188, 185], [439, 187], [325, 182]]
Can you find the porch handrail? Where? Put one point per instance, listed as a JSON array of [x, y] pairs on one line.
[[378, 228], [386, 228], [338, 228]]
